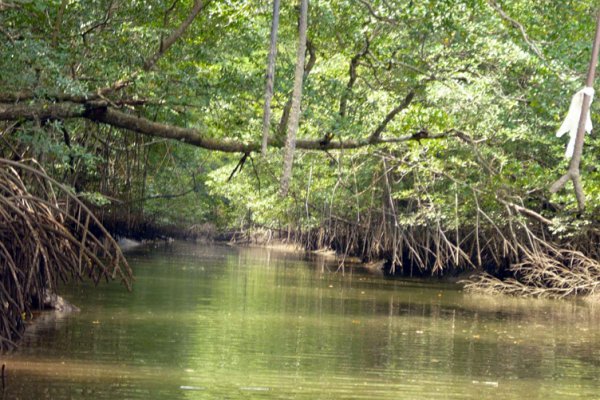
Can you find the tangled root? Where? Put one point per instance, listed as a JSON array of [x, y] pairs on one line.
[[47, 235], [557, 273]]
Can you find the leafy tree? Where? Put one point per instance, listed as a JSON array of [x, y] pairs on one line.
[[433, 120]]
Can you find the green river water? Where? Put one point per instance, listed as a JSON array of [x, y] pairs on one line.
[[213, 322]]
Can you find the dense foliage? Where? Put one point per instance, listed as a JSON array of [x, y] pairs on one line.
[[454, 105]]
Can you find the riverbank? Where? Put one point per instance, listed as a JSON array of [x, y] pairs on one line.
[[522, 258]]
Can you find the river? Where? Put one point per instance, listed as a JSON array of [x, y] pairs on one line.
[[214, 322]]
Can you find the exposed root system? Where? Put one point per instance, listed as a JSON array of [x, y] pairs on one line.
[[520, 256], [47, 235], [560, 273]]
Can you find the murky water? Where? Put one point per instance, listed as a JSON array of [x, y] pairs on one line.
[[227, 323]]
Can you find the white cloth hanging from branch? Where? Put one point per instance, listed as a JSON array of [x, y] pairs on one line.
[[571, 121]]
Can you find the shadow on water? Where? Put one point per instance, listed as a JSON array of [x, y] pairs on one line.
[[221, 322]]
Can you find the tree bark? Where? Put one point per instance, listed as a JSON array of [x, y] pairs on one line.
[[390, 116], [573, 173], [294, 121], [285, 115], [270, 78]]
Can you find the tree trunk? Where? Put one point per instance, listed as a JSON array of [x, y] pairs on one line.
[[270, 78], [292, 128]]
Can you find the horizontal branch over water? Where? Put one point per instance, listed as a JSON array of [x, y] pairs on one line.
[[101, 112]]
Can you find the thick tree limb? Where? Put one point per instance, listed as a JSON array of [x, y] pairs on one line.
[[573, 171], [285, 115], [101, 112], [17, 112], [26, 95]]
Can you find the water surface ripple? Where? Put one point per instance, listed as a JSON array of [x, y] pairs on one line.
[[213, 322]]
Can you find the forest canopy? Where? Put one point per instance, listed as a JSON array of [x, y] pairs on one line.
[[426, 129]]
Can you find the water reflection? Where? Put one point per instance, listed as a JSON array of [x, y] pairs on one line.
[[218, 322]]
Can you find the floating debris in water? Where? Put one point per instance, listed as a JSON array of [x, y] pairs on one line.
[[192, 388], [486, 383], [255, 388]]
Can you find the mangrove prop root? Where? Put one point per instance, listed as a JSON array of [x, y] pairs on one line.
[[518, 246], [47, 235], [558, 274]]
